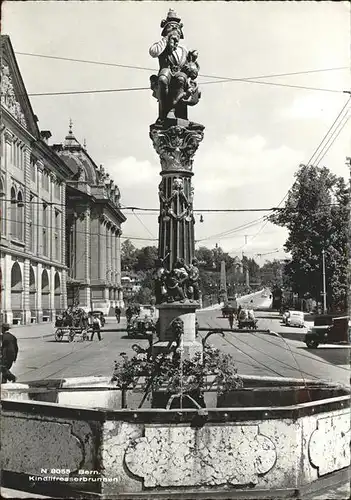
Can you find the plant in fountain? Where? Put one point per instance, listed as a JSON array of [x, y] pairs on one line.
[[174, 377]]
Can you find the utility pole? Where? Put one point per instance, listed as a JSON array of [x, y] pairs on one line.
[[324, 284]]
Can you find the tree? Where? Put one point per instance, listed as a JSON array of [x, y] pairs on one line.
[[272, 273], [128, 256], [316, 215], [145, 258]]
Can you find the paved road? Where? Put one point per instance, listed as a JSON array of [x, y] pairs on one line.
[[254, 353]]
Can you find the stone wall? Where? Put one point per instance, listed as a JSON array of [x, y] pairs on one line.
[[151, 453]]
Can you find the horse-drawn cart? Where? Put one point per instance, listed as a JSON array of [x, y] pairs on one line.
[[72, 323], [246, 320], [71, 332]]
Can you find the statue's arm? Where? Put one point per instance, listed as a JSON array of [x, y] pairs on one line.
[[157, 48]]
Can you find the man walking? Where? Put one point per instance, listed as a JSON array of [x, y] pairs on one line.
[[9, 354], [231, 318], [118, 314]]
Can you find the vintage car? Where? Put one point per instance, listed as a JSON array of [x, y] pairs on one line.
[[143, 323], [329, 330], [295, 318]]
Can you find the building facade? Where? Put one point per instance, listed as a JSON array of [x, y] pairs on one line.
[[93, 231], [32, 190]]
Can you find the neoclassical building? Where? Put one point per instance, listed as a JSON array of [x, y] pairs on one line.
[[93, 230], [32, 190]]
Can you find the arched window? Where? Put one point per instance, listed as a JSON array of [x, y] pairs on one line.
[[13, 213], [20, 216]]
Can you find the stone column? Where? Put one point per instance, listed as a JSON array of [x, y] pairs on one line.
[[118, 257], [176, 141], [39, 303], [87, 256], [8, 138], [114, 256], [63, 246], [26, 305], [6, 294], [52, 293]]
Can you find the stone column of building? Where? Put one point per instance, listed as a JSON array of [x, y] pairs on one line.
[[39, 302], [6, 293], [52, 178], [118, 268], [107, 258], [82, 257], [27, 236], [63, 247], [102, 256], [39, 248], [52, 293], [114, 263], [8, 137], [87, 280]]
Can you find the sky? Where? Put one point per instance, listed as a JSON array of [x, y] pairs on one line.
[[256, 135]]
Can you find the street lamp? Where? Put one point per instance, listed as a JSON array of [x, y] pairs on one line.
[[324, 284]]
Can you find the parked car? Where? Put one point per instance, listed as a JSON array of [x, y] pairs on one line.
[[141, 327], [329, 330], [295, 318]]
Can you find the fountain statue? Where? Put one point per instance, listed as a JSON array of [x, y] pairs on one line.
[[176, 140]]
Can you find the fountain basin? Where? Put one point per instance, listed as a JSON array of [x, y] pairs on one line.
[[247, 449]]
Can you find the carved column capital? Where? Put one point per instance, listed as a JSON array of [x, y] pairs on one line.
[[177, 144]]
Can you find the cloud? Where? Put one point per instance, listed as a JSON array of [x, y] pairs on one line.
[[312, 107], [236, 163], [132, 172], [235, 172]]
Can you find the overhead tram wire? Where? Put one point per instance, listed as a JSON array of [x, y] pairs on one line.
[[122, 208], [6, 219], [231, 231], [318, 147], [333, 138], [328, 131], [144, 226], [219, 79], [143, 68]]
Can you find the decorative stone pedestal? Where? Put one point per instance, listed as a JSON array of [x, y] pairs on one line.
[[185, 312]]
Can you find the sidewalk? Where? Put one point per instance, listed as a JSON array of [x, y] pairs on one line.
[[44, 330]]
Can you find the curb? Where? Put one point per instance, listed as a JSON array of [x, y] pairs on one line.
[[36, 337]]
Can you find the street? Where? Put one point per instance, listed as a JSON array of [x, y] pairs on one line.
[[254, 353]]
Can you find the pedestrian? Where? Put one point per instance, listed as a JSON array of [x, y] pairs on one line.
[[118, 314], [231, 318], [9, 354], [96, 324], [129, 314]]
